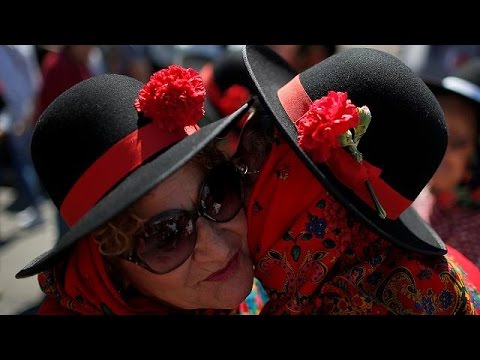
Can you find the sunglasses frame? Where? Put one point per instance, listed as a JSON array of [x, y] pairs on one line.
[[193, 215]]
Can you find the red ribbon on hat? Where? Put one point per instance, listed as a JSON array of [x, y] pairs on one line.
[[120, 160], [342, 164]]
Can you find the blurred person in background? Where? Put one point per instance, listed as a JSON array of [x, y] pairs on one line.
[[21, 79], [301, 57], [161, 56], [451, 202], [195, 56], [227, 83], [437, 61], [130, 60], [61, 70], [4, 158]]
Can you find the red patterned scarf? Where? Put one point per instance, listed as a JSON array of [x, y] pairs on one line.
[[313, 257]]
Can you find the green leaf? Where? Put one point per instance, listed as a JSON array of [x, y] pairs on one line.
[[306, 236], [295, 252], [106, 310]]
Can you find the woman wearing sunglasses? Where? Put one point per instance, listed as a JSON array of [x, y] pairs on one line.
[[155, 209], [336, 156]]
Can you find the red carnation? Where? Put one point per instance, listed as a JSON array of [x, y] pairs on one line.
[[324, 122], [173, 98], [233, 98]]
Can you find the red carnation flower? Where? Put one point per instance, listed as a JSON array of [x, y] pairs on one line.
[[320, 127], [234, 97], [173, 98]]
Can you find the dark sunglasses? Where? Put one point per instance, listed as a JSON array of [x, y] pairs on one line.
[[168, 239]]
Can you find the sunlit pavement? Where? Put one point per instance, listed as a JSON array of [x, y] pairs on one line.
[[17, 248]]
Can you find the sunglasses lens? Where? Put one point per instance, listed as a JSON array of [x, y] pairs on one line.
[[167, 241], [222, 193]]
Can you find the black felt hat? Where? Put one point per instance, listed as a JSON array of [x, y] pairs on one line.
[[100, 146], [228, 85], [406, 139]]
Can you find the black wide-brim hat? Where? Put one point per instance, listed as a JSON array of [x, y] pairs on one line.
[[219, 76], [406, 139], [93, 133]]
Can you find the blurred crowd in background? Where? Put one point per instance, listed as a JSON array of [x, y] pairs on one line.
[[32, 76]]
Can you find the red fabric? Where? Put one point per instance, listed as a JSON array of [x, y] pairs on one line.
[[82, 286], [343, 165], [460, 228], [457, 226], [468, 267], [51, 306], [313, 257], [59, 74], [123, 157]]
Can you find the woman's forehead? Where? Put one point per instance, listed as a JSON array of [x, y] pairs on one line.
[[189, 177]]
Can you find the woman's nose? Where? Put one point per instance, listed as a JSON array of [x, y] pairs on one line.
[[214, 241]]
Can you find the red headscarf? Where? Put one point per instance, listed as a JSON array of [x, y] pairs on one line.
[[312, 256]]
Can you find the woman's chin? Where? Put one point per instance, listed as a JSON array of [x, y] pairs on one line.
[[233, 292]]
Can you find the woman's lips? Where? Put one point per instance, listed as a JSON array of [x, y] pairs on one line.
[[226, 272]]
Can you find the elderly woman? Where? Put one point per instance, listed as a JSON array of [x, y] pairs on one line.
[[155, 209]]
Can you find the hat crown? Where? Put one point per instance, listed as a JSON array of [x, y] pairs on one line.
[[81, 125], [407, 137], [230, 70]]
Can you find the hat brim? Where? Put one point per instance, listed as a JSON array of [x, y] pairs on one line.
[[133, 187], [438, 88], [269, 73], [211, 114]]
